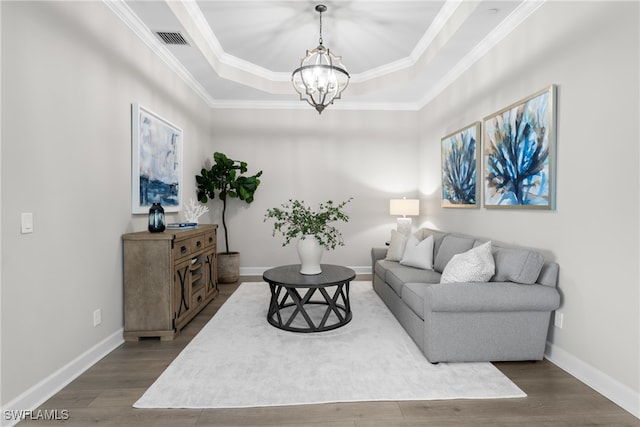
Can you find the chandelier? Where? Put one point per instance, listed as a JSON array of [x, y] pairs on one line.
[[321, 77]]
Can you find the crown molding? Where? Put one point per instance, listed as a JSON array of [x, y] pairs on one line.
[[225, 64], [302, 105], [515, 18], [232, 67], [438, 24], [245, 72], [124, 12], [223, 58], [436, 27]]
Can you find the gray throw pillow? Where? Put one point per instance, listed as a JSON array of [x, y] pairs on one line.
[[450, 246], [517, 265], [397, 246]]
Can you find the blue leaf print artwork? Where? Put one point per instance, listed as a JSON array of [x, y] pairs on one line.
[[516, 155], [459, 167]]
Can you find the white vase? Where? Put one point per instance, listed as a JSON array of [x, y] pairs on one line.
[[310, 253]]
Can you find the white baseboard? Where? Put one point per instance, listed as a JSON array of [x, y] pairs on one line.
[[45, 389], [620, 394], [258, 271]]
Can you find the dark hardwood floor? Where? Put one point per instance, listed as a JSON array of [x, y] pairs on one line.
[[105, 393]]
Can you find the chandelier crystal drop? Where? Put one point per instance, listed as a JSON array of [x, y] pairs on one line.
[[321, 77]]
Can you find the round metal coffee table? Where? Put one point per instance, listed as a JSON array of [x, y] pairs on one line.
[[309, 303]]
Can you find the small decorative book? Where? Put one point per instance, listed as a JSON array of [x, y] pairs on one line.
[[181, 225]]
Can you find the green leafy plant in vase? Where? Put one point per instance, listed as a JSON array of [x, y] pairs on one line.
[[226, 180], [314, 229]]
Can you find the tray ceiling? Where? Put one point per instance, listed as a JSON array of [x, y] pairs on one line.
[[400, 54]]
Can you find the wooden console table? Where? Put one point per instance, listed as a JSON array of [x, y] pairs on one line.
[[169, 277]]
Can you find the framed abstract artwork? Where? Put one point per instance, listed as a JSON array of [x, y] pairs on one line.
[[518, 154], [156, 162], [460, 163]]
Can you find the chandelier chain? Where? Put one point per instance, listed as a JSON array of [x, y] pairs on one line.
[[320, 39]]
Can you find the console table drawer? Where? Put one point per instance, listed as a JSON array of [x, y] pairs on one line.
[[182, 248], [210, 239], [197, 243], [197, 297]]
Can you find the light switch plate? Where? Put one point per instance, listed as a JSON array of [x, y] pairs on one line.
[[26, 223]]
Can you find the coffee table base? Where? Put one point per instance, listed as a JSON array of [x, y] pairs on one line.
[[287, 306]]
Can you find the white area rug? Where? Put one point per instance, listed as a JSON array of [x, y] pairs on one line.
[[240, 360]]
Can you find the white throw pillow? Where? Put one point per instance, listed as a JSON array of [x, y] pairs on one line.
[[418, 254], [475, 265], [396, 246]]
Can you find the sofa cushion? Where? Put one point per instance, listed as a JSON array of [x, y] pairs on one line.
[[397, 277], [380, 267], [397, 246], [413, 296], [418, 254], [549, 274], [451, 245], [475, 265], [517, 265]]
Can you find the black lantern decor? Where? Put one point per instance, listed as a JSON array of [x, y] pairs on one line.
[[156, 218]]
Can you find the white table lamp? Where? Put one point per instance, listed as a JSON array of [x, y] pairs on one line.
[[404, 207]]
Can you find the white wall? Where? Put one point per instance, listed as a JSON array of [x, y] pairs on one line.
[[370, 156], [70, 71], [591, 51]]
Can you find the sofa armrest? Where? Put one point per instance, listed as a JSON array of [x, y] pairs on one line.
[[377, 254], [490, 297]]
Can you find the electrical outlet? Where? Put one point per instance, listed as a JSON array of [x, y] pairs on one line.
[[558, 320], [97, 317]]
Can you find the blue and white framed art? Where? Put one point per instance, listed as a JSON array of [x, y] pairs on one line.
[[156, 162], [460, 165], [518, 153]]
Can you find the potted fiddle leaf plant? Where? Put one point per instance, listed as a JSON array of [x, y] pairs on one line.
[[314, 229], [226, 180]]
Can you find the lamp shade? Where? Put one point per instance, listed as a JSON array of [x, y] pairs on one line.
[[404, 207]]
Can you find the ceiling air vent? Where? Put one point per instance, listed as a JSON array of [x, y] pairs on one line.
[[172, 38]]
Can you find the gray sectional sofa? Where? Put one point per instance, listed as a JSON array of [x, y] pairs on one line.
[[506, 318]]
